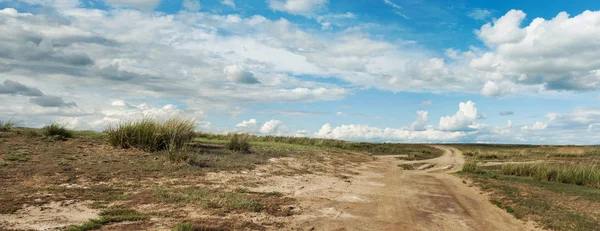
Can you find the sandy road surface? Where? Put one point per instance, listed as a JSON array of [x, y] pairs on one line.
[[385, 197]]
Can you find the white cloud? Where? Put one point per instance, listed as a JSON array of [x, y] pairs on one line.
[[230, 3], [191, 5], [504, 30], [249, 126], [426, 103], [465, 116], [491, 89], [238, 74], [509, 124], [553, 116], [356, 132], [271, 127], [479, 14], [141, 4], [536, 126], [554, 53], [300, 7], [421, 122]]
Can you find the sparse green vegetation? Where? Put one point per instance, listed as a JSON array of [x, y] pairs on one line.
[[207, 198], [110, 216], [238, 143], [6, 126], [55, 131], [184, 227], [152, 135]]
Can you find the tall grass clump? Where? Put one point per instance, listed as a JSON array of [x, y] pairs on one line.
[[238, 143], [579, 174], [6, 126], [152, 135], [471, 167], [56, 131]]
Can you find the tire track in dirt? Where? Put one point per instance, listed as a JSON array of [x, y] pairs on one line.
[[389, 198]]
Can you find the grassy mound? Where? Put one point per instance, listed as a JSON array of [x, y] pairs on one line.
[[56, 131], [152, 135]]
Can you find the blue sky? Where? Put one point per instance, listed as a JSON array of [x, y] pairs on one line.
[[364, 70]]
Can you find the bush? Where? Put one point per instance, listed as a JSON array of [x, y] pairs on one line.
[[56, 131], [5, 126], [239, 143], [151, 135]]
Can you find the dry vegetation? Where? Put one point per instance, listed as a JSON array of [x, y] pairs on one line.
[[555, 186], [147, 174]]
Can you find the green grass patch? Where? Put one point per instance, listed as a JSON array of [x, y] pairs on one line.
[[109, 216], [227, 201]]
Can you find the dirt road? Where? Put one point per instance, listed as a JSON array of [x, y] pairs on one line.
[[385, 197]]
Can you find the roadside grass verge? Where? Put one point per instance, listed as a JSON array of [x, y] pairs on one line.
[[56, 131], [554, 206], [152, 135], [579, 174], [501, 152]]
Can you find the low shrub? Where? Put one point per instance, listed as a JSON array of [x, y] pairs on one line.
[[152, 135], [238, 143], [56, 131]]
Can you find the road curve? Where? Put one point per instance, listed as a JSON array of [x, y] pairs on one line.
[[389, 198]]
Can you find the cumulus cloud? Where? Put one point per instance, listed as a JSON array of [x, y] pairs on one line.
[[301, 7], [535, 126], [238, 74], [492, 89], [141, 4], [355, 132], [554, 53], [271, 127], [465, 116], [249, 126], [421, 122]]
